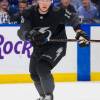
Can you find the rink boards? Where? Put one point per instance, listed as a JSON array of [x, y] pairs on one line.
[[79, 64]]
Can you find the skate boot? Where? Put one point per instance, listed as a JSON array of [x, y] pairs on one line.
[[41, 98], [48, 97]]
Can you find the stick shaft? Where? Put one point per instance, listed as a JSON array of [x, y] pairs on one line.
[[71, 40]]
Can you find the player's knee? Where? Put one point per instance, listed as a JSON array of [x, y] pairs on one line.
[[34, 77], [45, 76]]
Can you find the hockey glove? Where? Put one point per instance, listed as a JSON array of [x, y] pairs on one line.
[[40, 38], [82, 38], [23, 35]]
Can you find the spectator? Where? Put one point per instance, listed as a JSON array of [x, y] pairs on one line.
[[67, 4], [13, 2], [76, 3], [29, 2], [97, 3], [13, 7], [17, 18], [56, 3], [22, 5], [34, 2], [87, 11], [4, 15]]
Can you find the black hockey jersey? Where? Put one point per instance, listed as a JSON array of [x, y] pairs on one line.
[[54, 21]]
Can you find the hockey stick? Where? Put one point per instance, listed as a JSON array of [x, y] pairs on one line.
[[69, 40], [72, 40]]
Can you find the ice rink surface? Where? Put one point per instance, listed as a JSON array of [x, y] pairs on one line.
[[63, 91]]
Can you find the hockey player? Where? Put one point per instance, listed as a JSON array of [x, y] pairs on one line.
[[42, 23]]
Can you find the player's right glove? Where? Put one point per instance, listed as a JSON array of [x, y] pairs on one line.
[[82, 38], [37, 37], [23, 35], [40, 38]]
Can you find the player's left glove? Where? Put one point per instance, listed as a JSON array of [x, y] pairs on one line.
[[82, 38]]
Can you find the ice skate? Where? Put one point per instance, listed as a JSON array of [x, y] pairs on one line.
[[41, 98], [48, 97]]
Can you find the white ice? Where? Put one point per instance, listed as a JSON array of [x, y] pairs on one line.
[[63, 91]]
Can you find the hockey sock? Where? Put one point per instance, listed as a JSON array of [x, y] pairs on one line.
[[39, 89], [47, 83]]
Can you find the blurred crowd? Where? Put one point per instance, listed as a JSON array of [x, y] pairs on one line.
[[87, 10]]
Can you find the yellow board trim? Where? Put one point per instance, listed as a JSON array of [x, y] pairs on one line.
[[25, 78], [95, 76], [58, 77]]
